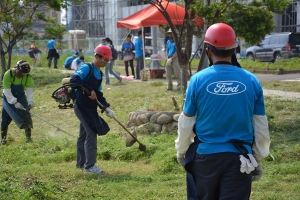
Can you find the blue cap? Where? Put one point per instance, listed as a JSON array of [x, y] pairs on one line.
[[76, 53]]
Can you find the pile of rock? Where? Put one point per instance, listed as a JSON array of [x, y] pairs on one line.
[[148, 122]]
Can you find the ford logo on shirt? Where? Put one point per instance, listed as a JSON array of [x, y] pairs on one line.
[[226, 87]]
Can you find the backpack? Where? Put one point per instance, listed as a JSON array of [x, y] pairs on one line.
[[114, 53], [73, 90]]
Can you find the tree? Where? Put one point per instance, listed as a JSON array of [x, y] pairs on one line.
[[185, 32], [16, 18], [251, 21], [55, 30]]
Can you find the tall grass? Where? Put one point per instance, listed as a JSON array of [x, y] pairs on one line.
[[45, 169]]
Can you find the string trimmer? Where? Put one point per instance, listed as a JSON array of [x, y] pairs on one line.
[[64, 95], [142, 147], [57, 128]]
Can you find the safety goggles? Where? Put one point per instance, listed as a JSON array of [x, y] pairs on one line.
[[105, 60]]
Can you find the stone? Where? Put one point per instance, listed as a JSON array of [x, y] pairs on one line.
[[149, 115], [164, 128], [164, 119], [128, 124], [156, 128], [138, 120], [154, 117], [144, 129], [144, 118], [176, 117], [133, 119], [130, 116], [169, 128]]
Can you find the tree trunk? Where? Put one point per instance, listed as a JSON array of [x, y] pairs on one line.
[[9, 53], [2, 57], [184, 76], [202, 59]]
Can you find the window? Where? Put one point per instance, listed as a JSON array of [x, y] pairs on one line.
[[274, 39], [265, 41], [283, 39]]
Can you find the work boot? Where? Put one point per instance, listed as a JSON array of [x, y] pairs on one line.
[[3, 135], [28, 135]]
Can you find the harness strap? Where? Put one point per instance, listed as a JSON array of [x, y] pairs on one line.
[[239, 145], [14, 78]]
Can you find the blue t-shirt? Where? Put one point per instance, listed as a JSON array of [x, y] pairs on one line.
[[166, 39], [50, 44], [84, 71], [224, 100], [171, 48], [138, 47], [127, 45], [68, 61]]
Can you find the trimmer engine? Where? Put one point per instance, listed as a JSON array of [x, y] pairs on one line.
[[62, 95]]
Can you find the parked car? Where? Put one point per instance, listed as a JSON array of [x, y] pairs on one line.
[[274, 47]]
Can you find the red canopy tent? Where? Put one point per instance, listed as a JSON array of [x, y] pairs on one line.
[[151, 16]]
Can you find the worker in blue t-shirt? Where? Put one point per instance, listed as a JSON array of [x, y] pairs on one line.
[[224, 108], [139, 54], [69, 60], [52, 53], [172, 65]]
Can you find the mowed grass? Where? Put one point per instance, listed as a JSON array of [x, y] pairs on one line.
[[45, 169]]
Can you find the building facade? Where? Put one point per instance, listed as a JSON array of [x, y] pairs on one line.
[[98, 18], [39, 25]]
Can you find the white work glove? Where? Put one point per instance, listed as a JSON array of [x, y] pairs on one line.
[[30, 104], [109, 112], [180, 159], [257, 173], [248, 165], [19, 106]]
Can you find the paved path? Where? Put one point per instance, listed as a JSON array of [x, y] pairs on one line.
[[273, 77], [282, 94]]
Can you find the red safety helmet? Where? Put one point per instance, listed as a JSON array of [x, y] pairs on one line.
[[221, 36], [103, 51], [32, 47]]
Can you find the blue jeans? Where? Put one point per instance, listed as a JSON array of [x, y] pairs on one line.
[[108, 68]]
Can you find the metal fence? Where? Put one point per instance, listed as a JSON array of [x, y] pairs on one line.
[[70, 46]]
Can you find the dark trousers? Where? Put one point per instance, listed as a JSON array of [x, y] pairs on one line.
[[131, 66], [139, 66], [52, 54], [218, 177], [86, 143], [191, 189]]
